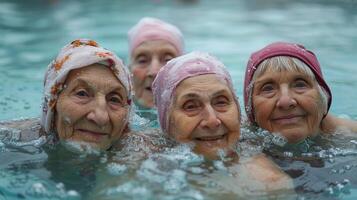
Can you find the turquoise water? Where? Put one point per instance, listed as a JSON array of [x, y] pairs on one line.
[[32, 32]]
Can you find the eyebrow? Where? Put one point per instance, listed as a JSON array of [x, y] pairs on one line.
[[195, 96], [83, 81], [221, 92]]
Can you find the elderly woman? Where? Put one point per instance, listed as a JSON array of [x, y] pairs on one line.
[[197, 104], [87, 95], [285, 92], [152, 43]]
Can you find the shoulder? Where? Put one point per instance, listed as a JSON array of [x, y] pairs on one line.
[[333, 124], [263, 170]]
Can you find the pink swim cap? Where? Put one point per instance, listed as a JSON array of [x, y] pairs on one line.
[[281, 49], [154, 29], [177, 70], [79, 53]]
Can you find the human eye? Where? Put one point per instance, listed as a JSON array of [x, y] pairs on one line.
[[221, 101], [141, 60], [191, 106], [167, 58], [266, 88], [300, 83], [115, 99], [81, 93]]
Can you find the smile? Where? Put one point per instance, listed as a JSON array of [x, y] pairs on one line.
[[93, 135], [210, 138], [288, 119]]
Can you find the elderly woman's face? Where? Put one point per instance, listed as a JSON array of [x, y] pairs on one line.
[[204, 113], [289, 103], [146, 61], [92, 108]]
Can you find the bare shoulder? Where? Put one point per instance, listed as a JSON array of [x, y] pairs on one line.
[[263, 170], [333, 124]]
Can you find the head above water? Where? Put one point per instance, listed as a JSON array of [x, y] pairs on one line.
[[196, 103], [150, 29], [284, 91], [152, 43], [87, 95]]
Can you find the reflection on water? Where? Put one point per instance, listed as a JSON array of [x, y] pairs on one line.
[[321, 167]]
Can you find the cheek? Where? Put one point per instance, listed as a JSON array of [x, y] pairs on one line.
[[120, 120], [262, 111], [181, 127], [139, 74]]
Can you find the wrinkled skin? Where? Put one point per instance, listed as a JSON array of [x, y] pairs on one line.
[[146, 61], [289, 103], [92, 108], [204, 113]]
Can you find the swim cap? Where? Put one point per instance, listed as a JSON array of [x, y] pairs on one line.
[[79, 53], [154, 29], [281, 49], [179, 69]]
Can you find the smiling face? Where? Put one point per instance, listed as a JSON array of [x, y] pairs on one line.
[[92, 108], [205, 113], [288, 102], [146, 61]]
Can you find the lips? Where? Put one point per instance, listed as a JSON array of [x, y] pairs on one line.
[[92, 135], [288, 119], [210, 138], [148, 88]]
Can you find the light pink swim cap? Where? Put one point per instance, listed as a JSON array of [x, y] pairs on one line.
[[79, 53], [177, 70], [154, 29]]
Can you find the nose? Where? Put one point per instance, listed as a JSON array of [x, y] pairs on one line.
[[154, 67], [286, 99], [210, 119], [99, 114]]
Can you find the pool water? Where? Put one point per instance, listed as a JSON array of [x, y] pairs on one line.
[[32, 32]]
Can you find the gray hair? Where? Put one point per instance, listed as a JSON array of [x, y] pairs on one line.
[[284, 63]]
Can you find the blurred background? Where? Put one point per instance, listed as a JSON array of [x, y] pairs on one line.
[[32, 33]]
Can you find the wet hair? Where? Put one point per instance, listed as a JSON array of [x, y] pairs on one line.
[[285, 63]]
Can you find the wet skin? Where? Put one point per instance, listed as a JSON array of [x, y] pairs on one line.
[[289, 103], [92, 108], [146, 61], [204, 113]]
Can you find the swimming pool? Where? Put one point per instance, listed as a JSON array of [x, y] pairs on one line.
[[33, 31]]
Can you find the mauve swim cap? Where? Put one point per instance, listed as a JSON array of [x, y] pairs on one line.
[[281, 49], [179, 69]]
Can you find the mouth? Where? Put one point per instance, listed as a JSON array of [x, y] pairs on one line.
[[287, 119], [92, 135], [210, 138], [148, 88]]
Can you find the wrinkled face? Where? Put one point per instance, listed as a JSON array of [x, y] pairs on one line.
[[92, 108], [289, 103], [146, 61], [204, 113]]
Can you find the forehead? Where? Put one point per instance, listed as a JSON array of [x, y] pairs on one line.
[[208, 84], [95, 74], [155, 46], [273, 73]]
